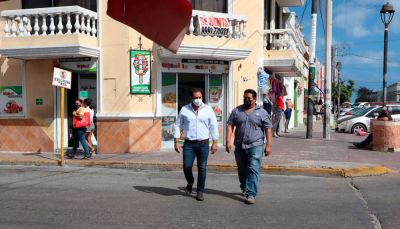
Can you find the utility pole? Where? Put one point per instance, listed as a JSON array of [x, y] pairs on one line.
[[328, 82], [311, 74]]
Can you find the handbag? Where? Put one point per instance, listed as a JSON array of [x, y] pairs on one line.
[[84, 122]]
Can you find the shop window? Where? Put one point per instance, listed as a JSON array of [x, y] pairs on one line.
[[220, 6], [88, 4]]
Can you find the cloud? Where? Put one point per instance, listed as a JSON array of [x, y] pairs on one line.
[[353, 22]]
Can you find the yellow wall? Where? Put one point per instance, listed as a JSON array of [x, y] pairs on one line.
[[39, 76], [247, 69], [116, 41]]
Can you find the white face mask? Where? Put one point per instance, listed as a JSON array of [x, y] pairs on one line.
[[197, 102]]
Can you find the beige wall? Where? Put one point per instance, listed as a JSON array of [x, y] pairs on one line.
[[10, 72]]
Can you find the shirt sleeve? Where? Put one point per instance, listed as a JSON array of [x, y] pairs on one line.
[[232, 117], [178, 125], [266, 120], [213, 125]]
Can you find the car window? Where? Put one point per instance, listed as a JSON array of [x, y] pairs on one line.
[[362, 111], [374, 111], [394, 110]]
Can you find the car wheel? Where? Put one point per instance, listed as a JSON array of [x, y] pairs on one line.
[[358, 126]]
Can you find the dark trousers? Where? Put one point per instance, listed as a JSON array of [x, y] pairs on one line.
[[190, 152]]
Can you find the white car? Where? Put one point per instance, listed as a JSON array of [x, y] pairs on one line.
[[361, 119]]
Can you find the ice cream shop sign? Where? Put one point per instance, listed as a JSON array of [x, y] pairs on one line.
[[213, 26]]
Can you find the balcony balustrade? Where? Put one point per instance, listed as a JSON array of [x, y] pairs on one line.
[[211, 24], [49, 21]]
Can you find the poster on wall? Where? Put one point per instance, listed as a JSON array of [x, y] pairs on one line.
[[11, 100], [168, 106], [216, 100], [140, 65]]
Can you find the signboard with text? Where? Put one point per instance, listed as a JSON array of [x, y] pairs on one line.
[[61, 78], [217, 26], [140, 71]]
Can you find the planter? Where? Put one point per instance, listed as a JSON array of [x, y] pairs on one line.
[[386, 135]]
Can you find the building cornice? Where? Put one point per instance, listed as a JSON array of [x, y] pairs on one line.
[[45, 52]]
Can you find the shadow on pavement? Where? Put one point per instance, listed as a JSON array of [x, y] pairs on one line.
[[181, 192]]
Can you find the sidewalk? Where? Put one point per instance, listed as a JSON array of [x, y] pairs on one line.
[[291, 154]]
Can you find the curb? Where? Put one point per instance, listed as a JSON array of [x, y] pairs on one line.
[[267, 169]]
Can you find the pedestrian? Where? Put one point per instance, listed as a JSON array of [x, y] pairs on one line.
[[278, 110], [90, 129], [252, 124], [197, 120], [79, 132], [288, 113]]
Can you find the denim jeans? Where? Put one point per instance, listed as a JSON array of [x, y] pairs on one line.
[[249, 162], [79, 136], [200, 151], [278, 116]]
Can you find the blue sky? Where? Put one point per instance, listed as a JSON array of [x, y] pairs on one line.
[[358, 28]]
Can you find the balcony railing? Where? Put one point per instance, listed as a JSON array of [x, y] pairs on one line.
[[49, 21], [204, 23], [283, 39]]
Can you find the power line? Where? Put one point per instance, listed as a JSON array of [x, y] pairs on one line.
[[304, 10], [365, 57]]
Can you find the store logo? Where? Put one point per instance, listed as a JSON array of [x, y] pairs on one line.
[[141, 65]]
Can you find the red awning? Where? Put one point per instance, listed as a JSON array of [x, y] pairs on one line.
[[163, 21]]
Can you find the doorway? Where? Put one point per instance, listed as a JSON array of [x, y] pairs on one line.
[[176, 93]]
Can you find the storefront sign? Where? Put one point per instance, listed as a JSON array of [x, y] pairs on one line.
[[11, 100], [196, 66], [140, 72], [61, 78], [84, 64], [217, 26]]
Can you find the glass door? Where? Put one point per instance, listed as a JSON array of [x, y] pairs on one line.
[[216, 101]]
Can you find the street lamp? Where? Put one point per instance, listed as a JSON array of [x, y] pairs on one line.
[[387, 13]]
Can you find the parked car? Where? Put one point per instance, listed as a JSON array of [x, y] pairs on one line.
[[360, 120]]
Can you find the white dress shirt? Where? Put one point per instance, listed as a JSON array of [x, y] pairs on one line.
[[196, 126]]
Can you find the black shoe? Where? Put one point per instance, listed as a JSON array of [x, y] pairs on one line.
[[70, 156], [199, 196], [357, 144], [188, 189], [86, 158]]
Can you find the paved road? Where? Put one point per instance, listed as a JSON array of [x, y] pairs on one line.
[[52, 197]]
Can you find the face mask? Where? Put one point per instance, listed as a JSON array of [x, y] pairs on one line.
[[197, 102], [247, 102]]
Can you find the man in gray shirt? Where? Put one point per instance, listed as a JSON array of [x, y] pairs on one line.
[[252, 124]]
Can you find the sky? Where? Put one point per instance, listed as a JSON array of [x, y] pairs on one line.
[[357, 28]]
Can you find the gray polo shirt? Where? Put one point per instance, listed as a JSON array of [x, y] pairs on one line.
[[250, 128]]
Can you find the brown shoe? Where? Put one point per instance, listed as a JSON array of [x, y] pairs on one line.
[[199, 196]]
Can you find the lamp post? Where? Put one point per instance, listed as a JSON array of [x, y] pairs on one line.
[[387, 13], [338, 68]]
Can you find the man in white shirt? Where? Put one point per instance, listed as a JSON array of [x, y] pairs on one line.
[[196, 120]]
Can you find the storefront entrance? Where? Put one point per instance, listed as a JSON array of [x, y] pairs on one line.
[[176, 89], [83, 86]]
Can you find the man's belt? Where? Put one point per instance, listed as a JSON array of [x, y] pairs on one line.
[[205, 141]]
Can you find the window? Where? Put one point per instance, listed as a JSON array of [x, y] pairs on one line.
[[88, 4], [220, 6], [394, 110], [373, 113]]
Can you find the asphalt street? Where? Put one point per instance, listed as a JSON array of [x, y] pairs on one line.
[[54, 197]]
